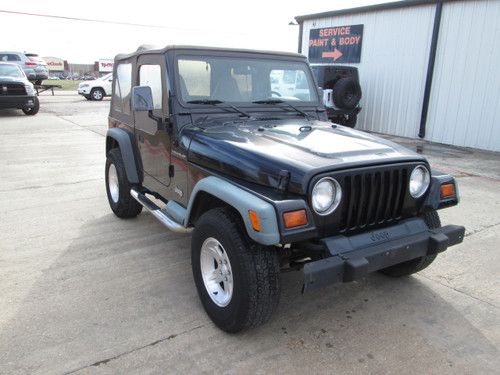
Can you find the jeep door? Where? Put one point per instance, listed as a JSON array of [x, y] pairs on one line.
[[152, 134]]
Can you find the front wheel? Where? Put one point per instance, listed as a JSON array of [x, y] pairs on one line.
[[97, 94], [432, 221], [118, 187], [238, 280], [33, 110]]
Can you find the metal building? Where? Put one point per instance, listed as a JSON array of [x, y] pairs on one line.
[[428, 69]]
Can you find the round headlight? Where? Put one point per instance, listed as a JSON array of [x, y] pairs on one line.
[[419, 181], [326, 196]]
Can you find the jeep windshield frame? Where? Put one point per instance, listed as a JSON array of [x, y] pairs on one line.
[[245, 80]]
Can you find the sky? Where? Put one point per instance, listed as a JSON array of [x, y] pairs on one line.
[[90, 30]]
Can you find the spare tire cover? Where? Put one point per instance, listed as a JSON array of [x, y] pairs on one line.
[[346, 93]]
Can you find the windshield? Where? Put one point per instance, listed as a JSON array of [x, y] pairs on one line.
[[106, 77], [7, 70], [229, 79]]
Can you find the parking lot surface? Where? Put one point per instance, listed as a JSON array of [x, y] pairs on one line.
[[83, 292]]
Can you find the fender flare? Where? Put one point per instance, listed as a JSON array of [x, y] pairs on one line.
[[434, 200], [129, 151], [242, 201]]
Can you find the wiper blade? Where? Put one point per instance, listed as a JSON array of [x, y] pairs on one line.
[[280, 101], [205, 101], [269, 101], [217, 101]]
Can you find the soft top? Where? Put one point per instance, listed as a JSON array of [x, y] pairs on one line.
[[161, 50]]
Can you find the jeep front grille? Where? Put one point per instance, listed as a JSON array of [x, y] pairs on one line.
[[373, 197], [12, 89]]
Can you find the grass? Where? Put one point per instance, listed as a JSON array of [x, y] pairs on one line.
[[66, 84]]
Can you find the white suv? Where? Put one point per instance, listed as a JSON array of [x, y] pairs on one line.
[[97, 89]]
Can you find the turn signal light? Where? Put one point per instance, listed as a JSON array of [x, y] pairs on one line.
[[447, 190], [254, 219], [295, 218]]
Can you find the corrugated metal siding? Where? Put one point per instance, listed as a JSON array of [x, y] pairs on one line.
[[392, 68], [465, 98], [464, 107]]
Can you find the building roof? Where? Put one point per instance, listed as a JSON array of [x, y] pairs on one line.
[[370, 8]]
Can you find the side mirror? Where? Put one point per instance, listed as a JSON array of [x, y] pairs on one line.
[[142, 98], [31, 76]]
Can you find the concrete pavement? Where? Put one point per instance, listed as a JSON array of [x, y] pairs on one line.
[[83, 292]]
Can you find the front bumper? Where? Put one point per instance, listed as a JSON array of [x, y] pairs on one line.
[[16, 101], [355, 257]]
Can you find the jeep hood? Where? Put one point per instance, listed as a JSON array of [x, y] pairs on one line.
[[258, 151]]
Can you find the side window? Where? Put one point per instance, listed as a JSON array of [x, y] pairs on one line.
[[9, 57], [123, 88], [150, 75]]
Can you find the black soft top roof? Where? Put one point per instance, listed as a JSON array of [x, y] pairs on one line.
[[162, 50]]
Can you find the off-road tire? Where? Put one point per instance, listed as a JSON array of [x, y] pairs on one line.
[[432, 221], [251, 288], [118, 187], [34, 110], [346, 93]]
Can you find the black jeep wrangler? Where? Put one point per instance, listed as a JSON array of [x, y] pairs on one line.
[[341, 92], [217, 143]]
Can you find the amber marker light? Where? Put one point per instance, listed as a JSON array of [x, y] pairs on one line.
[[295, 218], [447, 190], [254, 219]]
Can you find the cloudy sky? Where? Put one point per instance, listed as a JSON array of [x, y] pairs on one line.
[[89, 30]]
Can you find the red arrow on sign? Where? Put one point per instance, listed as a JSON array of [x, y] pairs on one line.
[[336, 54]]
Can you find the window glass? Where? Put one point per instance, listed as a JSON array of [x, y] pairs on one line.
[[238, 80], [123, 87], [150, 75], [9, 57], [195, 78], [11, 71]]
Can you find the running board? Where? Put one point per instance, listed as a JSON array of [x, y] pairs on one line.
[[158, 213]]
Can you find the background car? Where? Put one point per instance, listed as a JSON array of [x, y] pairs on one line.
[[97, 89], [16, 91], [30, 63]]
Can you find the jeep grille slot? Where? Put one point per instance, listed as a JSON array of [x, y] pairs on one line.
[[372, 198]]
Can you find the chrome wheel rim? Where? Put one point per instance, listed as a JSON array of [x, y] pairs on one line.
[[216, 272], [114, 190]]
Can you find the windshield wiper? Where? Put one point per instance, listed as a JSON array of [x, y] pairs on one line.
[[217, 101], [280, 101]]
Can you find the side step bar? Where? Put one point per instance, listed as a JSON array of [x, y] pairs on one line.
[[158, 213]]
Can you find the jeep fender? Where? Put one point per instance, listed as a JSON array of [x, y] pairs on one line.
[[128, 149], [242, 201], [434, 199]]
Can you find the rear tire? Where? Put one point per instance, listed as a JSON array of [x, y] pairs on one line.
[[432, 221], [238, 280], [118, 187]]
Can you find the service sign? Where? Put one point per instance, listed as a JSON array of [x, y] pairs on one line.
[[336, 44]]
